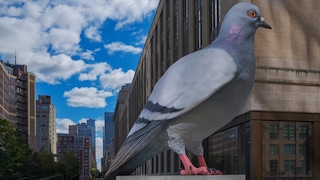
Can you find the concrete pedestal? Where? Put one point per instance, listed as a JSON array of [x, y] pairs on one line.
[[179, 177]]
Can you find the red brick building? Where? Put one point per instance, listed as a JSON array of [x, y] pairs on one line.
[[81, 147]]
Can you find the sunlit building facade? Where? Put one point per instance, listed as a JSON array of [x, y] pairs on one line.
[[18, 100], [276, 134], [46, 124]]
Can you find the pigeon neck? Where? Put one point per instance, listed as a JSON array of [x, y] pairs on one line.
[[235, 34]]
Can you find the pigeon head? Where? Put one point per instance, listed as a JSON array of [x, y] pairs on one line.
[[242, 19]]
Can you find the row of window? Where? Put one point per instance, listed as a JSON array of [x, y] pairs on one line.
[[288, 149], [290, 167], [289, 132]]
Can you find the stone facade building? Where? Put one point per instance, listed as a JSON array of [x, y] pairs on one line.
[[18, 100]]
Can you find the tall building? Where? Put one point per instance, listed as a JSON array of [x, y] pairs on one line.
[[89, 130], [108, 136], [92, 124], [121, 122], [73, 129], [18, 100], [275, 135], [46, 124], [108, 128], [81, 147]]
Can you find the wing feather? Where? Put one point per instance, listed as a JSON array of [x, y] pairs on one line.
[[187, 83]]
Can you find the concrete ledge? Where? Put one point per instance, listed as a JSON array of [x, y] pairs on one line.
[[179, 177]]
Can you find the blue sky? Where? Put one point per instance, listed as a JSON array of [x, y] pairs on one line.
[[81, 51]]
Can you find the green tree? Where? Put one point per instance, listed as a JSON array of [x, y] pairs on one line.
[[94, 173], [13, 151], [43, 163], [68, 165]]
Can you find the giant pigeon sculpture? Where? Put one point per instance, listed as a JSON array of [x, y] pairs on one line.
[[196, 96]]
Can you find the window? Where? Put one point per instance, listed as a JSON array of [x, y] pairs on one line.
[[289, 166], [274, 149], [273, 131], [289, 132], [273, 165], [215, 18], [302, 149], [303, 132], [198, 21], [302, 167], [289, 149]]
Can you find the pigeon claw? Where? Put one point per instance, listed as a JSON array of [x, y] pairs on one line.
[[200, 171], [214, 171]]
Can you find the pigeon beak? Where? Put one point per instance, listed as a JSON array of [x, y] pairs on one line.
[[263, 24]]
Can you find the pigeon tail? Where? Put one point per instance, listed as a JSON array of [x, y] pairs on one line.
[[133, 153]]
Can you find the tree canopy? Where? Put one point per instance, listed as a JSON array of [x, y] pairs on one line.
[[18, 161], [13, 150]]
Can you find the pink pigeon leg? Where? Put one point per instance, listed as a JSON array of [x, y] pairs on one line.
[[189, 168], [202, 163]]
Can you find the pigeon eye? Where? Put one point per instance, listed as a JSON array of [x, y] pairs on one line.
[[252, 13]]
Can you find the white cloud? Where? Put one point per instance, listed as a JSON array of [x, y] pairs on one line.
[[64, 40], [89, 97], [93, 34], [119, 46], [55, 68], [63, 15], [130, 11], [83, 120], [99, 125], [116, 78], [16, 34], [63, 125], [141, 40], [42, 32], [94, 71], [87, 55]]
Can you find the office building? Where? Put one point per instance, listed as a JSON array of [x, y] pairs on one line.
[[18, 100], [46, 124], [79, 141], [121, 122], [89, 130], [276, 133], [108, 136], [81, 147], [73, 129], [108, 132]]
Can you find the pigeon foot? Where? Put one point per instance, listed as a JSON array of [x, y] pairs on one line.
[[200, 171], [190, 169]]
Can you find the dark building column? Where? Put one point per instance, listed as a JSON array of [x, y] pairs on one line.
[[256, 149], [316, 141]]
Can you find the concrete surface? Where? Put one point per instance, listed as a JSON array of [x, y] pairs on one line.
[[179, 177]]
